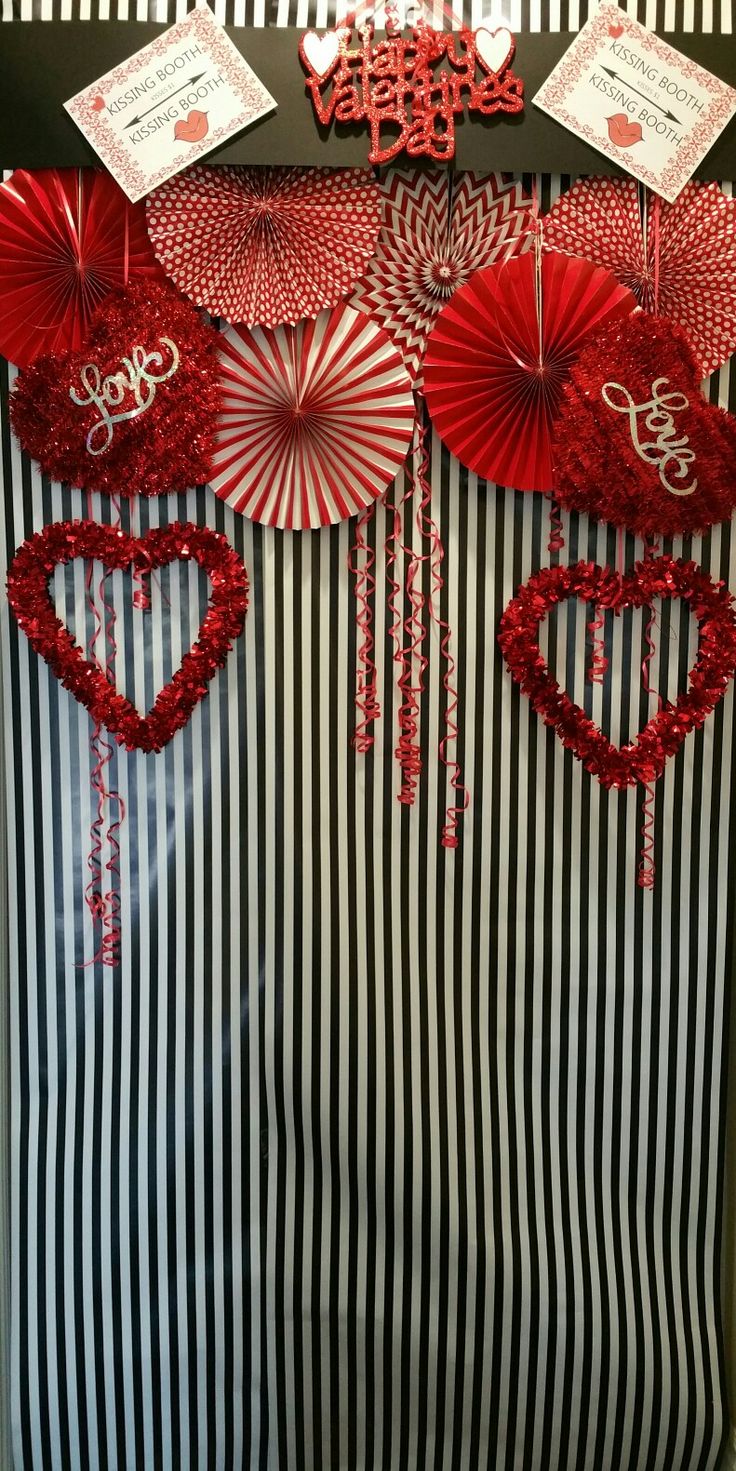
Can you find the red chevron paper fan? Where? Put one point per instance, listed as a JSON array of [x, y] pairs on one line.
[[678, 259], [500, 353], [262, 246], [67, 238], [316, 419], [437, 229]]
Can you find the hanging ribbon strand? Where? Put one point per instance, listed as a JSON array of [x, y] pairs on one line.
[[361, 560]]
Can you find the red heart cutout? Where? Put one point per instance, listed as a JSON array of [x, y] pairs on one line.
[[636, 443], [616, 30], [644, 759], [134, 412], [622, 132], [192, 128], [28, 594]]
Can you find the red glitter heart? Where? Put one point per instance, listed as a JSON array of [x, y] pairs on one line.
[[636, 443], [29, 597], [152, 363], [644, 759]]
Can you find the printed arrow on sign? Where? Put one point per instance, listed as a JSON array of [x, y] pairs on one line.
[[165, 99], [625, 83]]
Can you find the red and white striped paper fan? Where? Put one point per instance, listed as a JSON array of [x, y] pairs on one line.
[[262, 246], [436, 231], [316, 419], [678, 259]]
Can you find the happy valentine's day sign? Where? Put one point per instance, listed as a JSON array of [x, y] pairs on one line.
[[410, 91]]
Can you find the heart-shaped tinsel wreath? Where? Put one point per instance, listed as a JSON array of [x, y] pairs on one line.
[[636, 443], [133, 412], [644, 759], [29, 597]]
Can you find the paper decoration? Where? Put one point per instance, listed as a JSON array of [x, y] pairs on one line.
[[636, 443], [499, 354], [644, 759], [174, 100], [437, 229], [652, 110], [679, 259], [410, 91], [263, 246], [63, 541], [316, 419], [67, 238], [133, 412]]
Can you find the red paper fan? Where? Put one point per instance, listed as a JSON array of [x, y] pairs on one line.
[[435, 233], [262, 246], [316, 419], [500, 353], [678, 259], [67, 238]]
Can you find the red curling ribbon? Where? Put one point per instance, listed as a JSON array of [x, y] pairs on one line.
[[449, 838], [556, 537], [361, 559], [598, 665], [103, 901], [406, 639]]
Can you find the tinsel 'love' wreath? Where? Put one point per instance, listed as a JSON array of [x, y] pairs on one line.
[[644, 759], [29, 597]]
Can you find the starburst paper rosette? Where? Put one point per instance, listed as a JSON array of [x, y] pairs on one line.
[[316, 419], [500, 354], [678, 259], [265, 246], [437, 230], [67, 238]]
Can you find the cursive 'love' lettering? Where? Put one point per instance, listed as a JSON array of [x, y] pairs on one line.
[[140, 375], [670, 455]]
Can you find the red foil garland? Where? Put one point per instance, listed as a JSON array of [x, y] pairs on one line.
[[135, 336], [644, 759], [28, 594]]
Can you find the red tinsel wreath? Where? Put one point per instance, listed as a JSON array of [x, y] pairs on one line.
[[28, 594], [636, 443], [644, 759], [134, 411]]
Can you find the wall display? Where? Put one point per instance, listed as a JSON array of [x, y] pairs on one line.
[[499, 354], [133, 410], [315, 420], [437, 229], [67, 238], [643, 104], [409, 92], [28, 594], [678, 259], [265, 246], [636, 443], [174, 100], [337, 1143]]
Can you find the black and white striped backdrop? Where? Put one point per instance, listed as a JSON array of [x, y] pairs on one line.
[[369, 1154]]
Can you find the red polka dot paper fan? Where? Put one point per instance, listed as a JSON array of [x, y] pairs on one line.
[[436, 231], [500, 353], [262, 246], [67, 238], [678, 259], [316, 419]]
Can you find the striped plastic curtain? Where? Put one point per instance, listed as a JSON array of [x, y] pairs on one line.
[[369, 1154]]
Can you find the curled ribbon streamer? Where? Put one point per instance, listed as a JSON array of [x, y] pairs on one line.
[[103, 903], [556, 537], [647, 869], [407, 750], [366, 696], [598, 664], [430, 529]]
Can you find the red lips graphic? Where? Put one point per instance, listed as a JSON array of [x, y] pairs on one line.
[[622, 132], [616, 30], [97, 104], [192, 128]]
